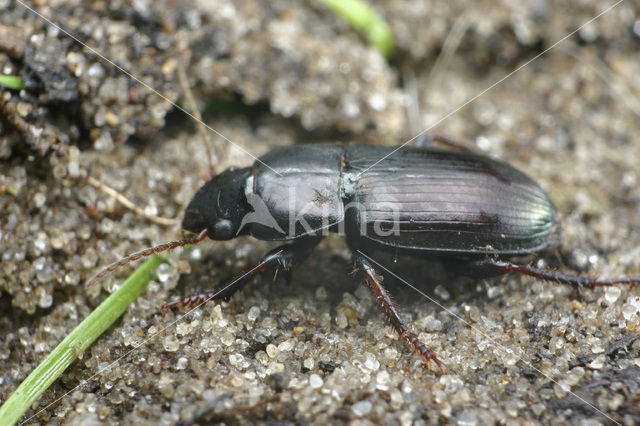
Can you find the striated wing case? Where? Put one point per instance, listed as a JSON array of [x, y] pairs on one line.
[[445, 201]]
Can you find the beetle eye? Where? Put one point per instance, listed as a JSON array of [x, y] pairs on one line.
[[223, 229]]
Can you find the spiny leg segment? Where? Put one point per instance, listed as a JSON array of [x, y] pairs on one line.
[[387, 307]]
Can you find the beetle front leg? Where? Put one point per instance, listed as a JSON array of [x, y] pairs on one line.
[[504, 267], [387, 306], [283, 258]]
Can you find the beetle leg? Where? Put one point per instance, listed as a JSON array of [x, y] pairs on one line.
[[283, 258], [387, 306], [428, 139], [546, 275]]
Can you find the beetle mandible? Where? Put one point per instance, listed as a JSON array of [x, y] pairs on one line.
[[419, 201]]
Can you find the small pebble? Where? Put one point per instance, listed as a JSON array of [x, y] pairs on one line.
[[315, 381], [361, 408]]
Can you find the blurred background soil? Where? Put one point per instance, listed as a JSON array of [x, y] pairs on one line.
[[269, 74]]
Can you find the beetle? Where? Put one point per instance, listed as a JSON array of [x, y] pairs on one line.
[[421, 201]]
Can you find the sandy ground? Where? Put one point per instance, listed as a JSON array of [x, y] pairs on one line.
[[316, 350]]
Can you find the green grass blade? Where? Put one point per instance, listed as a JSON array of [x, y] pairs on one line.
[[80, 338], [11, 82], [364, 19]]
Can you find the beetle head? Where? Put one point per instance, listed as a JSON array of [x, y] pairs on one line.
[[219, 205]]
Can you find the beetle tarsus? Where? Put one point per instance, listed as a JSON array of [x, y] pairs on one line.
[[189, 301], [557, 277], [427, 355], [387, 306]]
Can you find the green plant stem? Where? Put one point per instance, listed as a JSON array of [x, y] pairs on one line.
[[365, 20], [11, 82], [79, 339]]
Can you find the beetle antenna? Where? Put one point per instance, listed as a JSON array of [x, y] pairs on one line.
[[147, 252]]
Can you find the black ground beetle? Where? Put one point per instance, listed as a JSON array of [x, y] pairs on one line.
[[417, 201]]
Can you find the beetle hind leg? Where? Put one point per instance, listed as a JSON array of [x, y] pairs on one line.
[[503, 267], [387, 306], [427, 140], [281, 259]]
